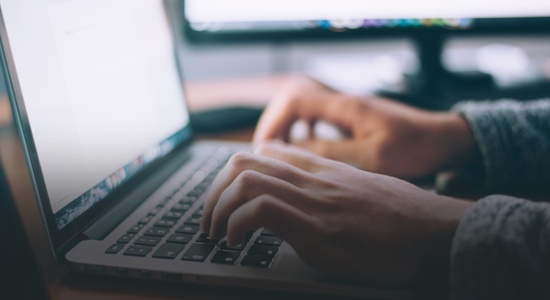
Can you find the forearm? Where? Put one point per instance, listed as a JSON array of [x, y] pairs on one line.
[[513, 140], [501, 250]]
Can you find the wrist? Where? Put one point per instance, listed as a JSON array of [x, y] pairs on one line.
[[454, 136], [446, 214]]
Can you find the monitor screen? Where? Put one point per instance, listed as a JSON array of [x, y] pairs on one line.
[[101, 90], [245, 16]]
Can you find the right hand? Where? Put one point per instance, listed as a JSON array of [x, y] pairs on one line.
[[347, 222], [383, 136]]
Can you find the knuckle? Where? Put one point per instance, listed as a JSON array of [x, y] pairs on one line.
[[290, 97], [332, 232], [329, 184], [270, 147], [247, 179], [263, 205], [240, 160], [285, 100], [264, 148]]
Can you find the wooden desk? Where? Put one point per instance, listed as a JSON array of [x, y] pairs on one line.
[[62, 284]]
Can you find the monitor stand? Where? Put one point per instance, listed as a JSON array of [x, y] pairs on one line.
[[434, 86]]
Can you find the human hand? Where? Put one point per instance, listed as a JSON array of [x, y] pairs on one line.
[[339, 219], [383, 136]]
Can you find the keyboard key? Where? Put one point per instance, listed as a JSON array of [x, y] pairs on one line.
[[172, 215], [266, 231], [268, 240], [203, 185], [135, 229], [182, 208], [195, 193], [248, 235], [114, 249], [177, 194], [256, 261], [145, 220], [125, 239], [188, 229], [263, 250], [225, 257], [153, 212], [239, 247], [157, 231], [138, 250], [165, 223], [198, 176], [196, 220], [188, 200], [163, 203], [148, 240], [168, 251], [198, 252], [180, 238], [204, 238]]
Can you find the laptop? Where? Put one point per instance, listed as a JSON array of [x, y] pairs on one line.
[[97, 94], [19, 277]]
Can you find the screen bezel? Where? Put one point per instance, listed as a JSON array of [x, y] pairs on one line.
[[480, 26], [61, 239]]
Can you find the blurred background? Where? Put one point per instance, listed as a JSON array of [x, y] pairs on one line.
[[503, 45], [468, 50], [350, 64]]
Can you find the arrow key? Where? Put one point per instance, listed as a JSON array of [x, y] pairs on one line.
[[168, 251], [198, 252], [258, 261], [225, 257]]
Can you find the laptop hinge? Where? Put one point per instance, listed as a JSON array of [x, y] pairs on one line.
[[134, 194]]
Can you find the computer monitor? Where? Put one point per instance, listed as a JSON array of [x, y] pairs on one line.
[[427, 22]]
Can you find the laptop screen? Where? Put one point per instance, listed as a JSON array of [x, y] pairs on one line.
[[101, 90]]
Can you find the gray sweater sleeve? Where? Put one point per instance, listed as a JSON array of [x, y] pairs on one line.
[[513, 138], [501, 249]]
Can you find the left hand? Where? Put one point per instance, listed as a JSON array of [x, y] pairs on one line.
[[382, 136], [339, 219]]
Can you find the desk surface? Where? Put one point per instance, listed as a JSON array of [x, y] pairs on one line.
[[62, 284]]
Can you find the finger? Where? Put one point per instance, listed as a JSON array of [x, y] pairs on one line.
[[281, 114], [311, 128], [247, 161], [276, 121], [267, 211], [249, 185], [293, 155], [354, 152]]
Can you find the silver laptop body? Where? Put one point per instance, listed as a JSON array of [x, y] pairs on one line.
[[97, 95]]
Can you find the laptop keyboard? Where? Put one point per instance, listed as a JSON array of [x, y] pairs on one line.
[[176, 234]]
